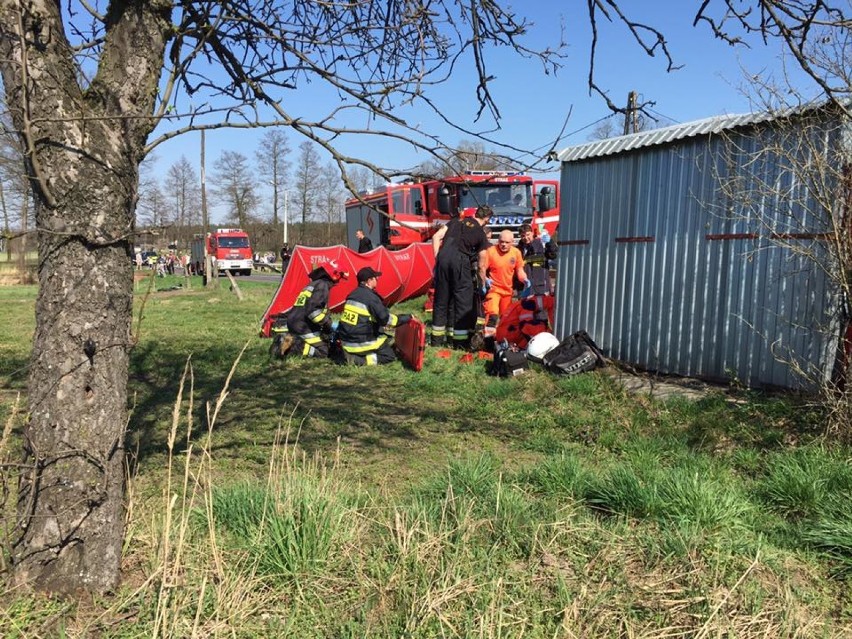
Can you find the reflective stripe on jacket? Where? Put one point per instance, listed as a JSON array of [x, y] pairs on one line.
[[364, 315], [310, 311]]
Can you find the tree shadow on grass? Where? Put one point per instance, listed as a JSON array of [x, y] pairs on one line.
[[156, 373], [14, 372], [318, 401]]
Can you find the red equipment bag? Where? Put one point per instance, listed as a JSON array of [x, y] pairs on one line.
[[410, 343]]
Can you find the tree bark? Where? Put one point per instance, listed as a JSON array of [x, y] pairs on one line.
[[83, 146]]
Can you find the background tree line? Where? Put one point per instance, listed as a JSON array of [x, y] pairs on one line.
[[255, 193], [260, 194], [15, 196], [278, 184]]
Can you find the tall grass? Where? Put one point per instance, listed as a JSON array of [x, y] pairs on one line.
[[474, 499], [807, 482], [308, 500], [811, 489], [288, 529]]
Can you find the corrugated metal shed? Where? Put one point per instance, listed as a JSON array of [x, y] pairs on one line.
[[707, 126], [689, 250]]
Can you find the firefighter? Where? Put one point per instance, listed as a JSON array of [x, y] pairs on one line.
[[361, 325], [308, 322], [505, 265], [460, 257], [538, 253]]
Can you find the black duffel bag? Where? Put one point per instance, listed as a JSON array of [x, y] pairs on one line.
[[575, 354]]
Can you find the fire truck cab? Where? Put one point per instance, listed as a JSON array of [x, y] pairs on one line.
[[401, 214], [231, 250]]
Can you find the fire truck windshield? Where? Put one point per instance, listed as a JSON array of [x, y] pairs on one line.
[[503, 198], [233, 242]]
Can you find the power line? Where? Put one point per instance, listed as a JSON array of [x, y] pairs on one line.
[[663, 115], [564, 136]]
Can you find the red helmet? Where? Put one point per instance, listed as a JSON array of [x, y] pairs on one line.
[[333, 271]]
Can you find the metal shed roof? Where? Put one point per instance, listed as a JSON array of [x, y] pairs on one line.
[[667, 134]]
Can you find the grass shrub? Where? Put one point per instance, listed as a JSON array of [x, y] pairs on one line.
[[474, 498], [452, 504], [831, 535], [702, 500], [807, 482], [560, 476], [291, 525], [621, 490], [692, 502], [811, 489]]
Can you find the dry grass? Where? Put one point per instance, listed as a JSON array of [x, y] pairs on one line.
[[498, 558]]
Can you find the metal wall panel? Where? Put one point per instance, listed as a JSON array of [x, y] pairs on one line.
[[669, 273]]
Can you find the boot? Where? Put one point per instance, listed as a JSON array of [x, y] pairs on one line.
[[282, 344], [461, 344]]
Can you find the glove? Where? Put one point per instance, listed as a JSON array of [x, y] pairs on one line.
[[403, 319], [545, 237], [334, 325], [527, 290]]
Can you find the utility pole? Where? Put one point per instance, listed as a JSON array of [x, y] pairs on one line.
[[631, 118], [286, 214], [209, 271]]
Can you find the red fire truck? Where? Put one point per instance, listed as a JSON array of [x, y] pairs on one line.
[[231, 251], [412, 211]]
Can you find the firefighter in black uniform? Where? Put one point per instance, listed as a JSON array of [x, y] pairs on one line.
[[459, 247], [308, 322], [538, 255], [360, 327]]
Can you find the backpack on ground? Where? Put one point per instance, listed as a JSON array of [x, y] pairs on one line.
[[575, 354], [509, 360]]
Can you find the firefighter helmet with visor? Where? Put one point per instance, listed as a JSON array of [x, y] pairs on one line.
[[333, 270]]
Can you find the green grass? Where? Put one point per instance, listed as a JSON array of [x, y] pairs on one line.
[[288, 532], [333, 501]]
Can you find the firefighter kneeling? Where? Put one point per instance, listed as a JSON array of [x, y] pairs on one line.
[[364, 317], [307, 329]]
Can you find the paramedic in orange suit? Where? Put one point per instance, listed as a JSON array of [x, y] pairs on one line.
[[505, 263]]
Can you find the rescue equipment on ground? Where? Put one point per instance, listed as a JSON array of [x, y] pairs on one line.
[[509, 360], [524, 319], [410, 342], [575, 354], [540, 345]]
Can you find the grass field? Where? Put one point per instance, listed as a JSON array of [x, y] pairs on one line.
[[305, 499], [13, 272]]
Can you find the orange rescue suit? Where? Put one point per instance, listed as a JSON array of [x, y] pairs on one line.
[[502, 268]]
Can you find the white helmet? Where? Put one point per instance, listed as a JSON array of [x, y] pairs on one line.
[[540, 345]]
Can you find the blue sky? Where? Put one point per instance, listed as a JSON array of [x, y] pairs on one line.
[[535, 106]]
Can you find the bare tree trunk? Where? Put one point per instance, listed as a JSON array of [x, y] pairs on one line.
[[70, 507], [82, 149], [211, 274]]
